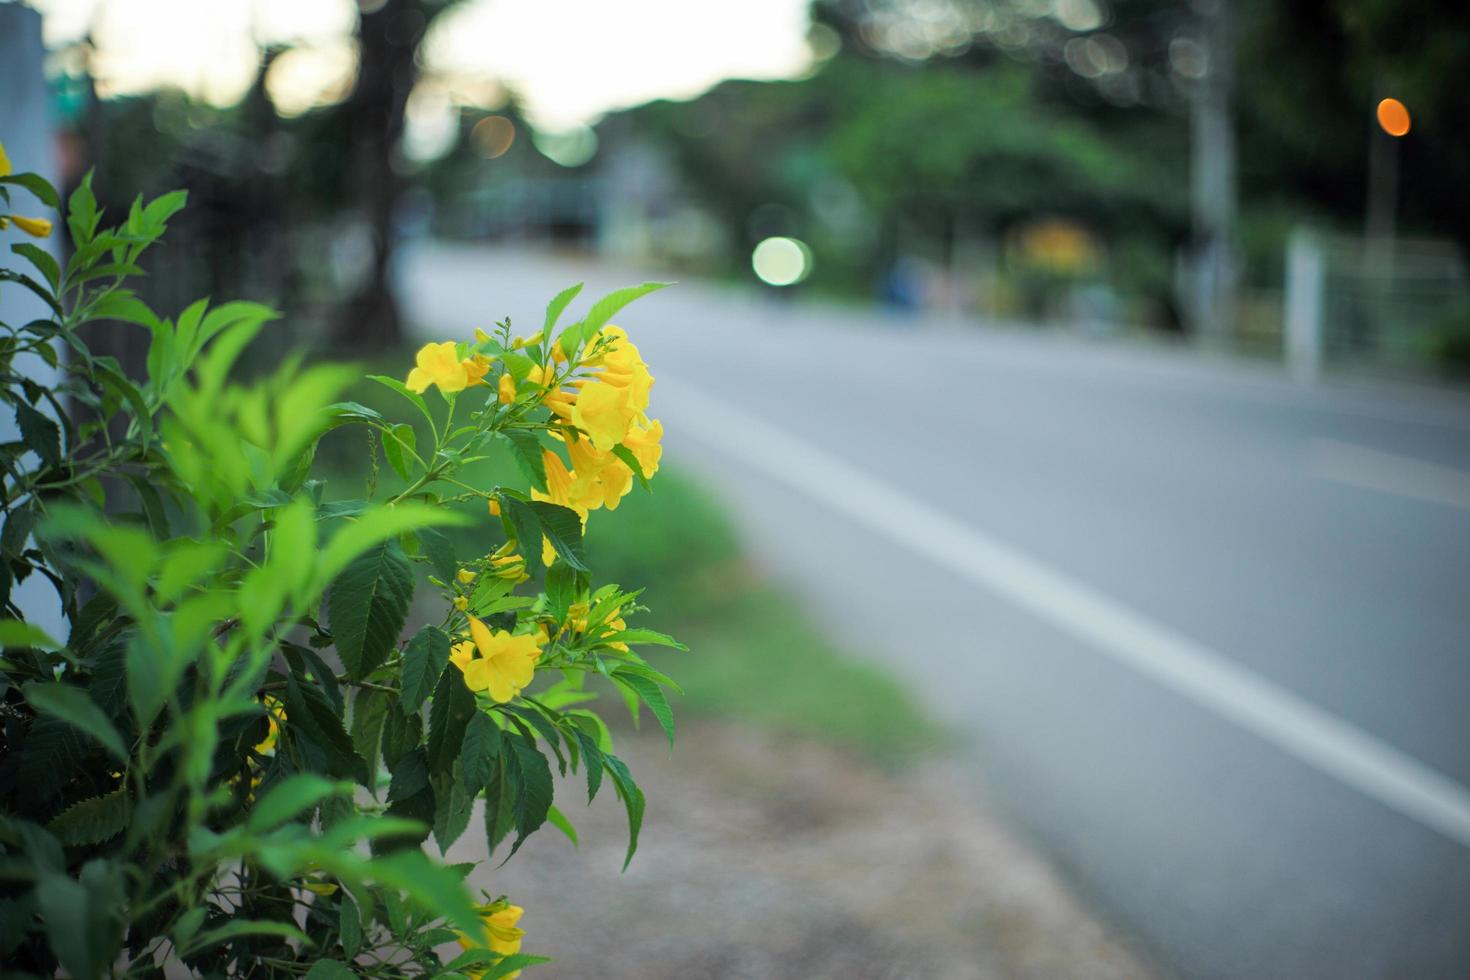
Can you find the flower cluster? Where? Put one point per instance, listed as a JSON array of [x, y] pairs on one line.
[[598, 414]]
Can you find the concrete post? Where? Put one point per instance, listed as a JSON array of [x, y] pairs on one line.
[[1305, 281]]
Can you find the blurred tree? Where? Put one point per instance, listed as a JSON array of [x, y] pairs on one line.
[[389, 34]]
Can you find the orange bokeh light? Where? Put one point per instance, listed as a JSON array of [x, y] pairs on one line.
[[1393, 116]]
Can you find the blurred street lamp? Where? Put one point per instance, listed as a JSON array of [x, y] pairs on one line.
[[1393, 122]]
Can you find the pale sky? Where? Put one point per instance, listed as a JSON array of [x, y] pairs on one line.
[[571, 60]]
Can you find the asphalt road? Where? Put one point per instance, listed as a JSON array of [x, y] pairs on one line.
[[1206, 634]]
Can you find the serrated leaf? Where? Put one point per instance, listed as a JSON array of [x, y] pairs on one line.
[[39, 433], [591, 762], [94, 820], [563, 528], [73, 706], [367, 606], [633, 802], [653, 696], [349, 926], [529, 456], [480, 751], [500, 801], [643, 636], [401, 734], [449, 716], [440, 550], [533, 789], [423, 663], [369, 709], [453, 801], [310, 716]]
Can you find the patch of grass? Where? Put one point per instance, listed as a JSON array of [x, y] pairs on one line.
[[754, 655]]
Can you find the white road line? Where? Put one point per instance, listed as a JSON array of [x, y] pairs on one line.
[[1294, 725], [1373, 469]]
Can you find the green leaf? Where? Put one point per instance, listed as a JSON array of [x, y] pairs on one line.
[[524, 520], [10, 275], [402, 389], [15, 634], [642, 636], [39, 433], [81, 921], [434, 888], [329, 970], [533, 789], [440, 549], [401, 734], [480, 752], [500, 802], [288, 798], [73, 706], [449, 716], [559, 820], [94, 820], [653, 696], [606, 308], [423, 663], [563, 528], [399, 444], [369, 710], [367, 606], [37, 185], [510, 964], [236, 928], [633, 802], [625, 454], [41, 259], [310, 716], [374, 525], [591, 762], [557, 306], [453, 801], [152, 675], [529, 456], [349, 926]]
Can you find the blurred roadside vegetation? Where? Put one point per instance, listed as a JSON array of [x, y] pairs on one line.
[[1045, 140], [755, 656]]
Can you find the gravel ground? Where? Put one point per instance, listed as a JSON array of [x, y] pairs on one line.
[[763, 857]]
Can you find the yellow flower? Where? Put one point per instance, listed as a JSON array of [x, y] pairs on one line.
[[617, 395], [507, 389], [643, 440], [275, 713], [505, 665], [501, 934], [494, 507], [37, 227], [466, 576], [438, 364], [4, 162], [481, 336], [461, 603], [604, 412], [475, 369]]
